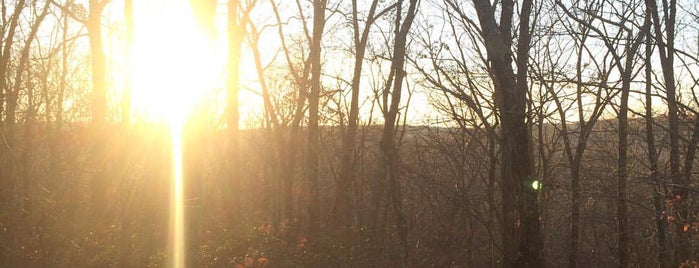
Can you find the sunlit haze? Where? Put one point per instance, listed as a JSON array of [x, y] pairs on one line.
[[336, 133]]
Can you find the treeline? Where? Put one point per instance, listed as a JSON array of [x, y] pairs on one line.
[[398, 133]]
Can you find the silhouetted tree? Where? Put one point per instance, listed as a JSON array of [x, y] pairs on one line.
[[522, 241]]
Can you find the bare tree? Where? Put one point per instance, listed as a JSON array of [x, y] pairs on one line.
[[314, 57], [521, 228], [7, 44], [98, 59], [343, 202], [14, 155], [575, 136], [665, 41], [387, 183], [64, 65], [454, 70], [654, 176], [625, 62], [12, 95]]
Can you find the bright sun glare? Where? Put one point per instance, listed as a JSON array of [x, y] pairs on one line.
[[173, 61], [173, 65]]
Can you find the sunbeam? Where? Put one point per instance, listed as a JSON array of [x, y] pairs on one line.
[[177, 222]]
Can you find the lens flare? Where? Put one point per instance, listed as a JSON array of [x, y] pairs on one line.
[[177, 222], [536, 185]]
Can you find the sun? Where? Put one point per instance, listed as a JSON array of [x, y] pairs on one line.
[[173, 62]]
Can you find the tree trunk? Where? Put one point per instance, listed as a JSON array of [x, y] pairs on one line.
[[622, 160], [313, 103], [659, 195], [686, 219], [64, 73], [99, 83], [289, 151], [99, 181], [622, 217], [389, 152], [522, 241], [126, 97], [666, 52], [233, 180], [343, 202], [574, 162]]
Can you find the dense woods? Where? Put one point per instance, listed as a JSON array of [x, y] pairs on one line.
[[377, 133]]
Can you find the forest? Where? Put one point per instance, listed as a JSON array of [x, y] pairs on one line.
[[362, 133]]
